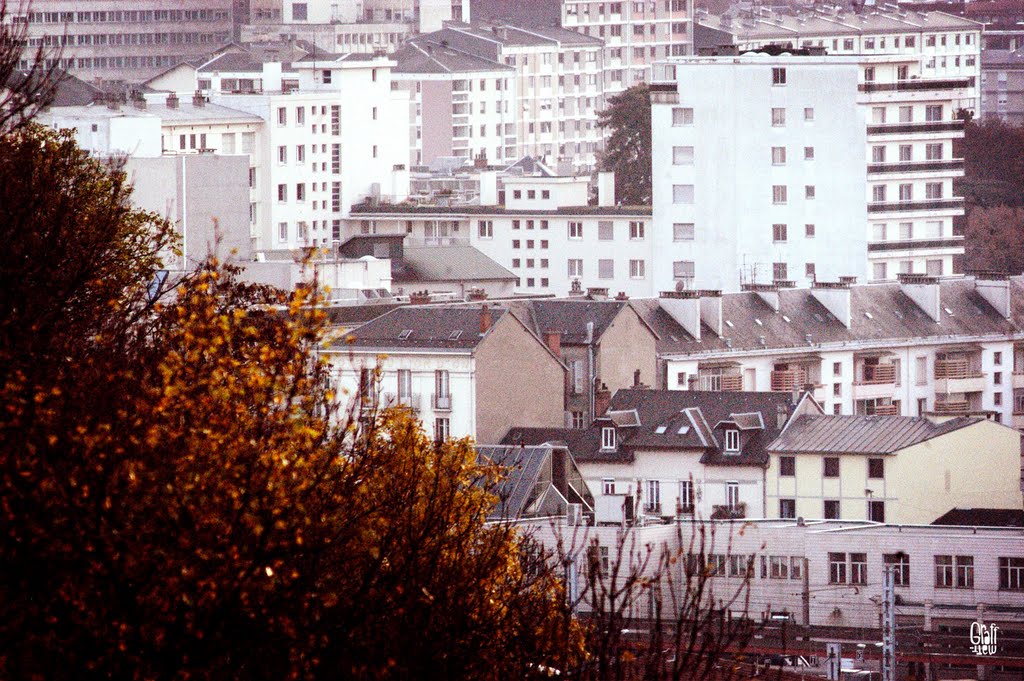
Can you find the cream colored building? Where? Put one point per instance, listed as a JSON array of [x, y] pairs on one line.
[[892, 469]]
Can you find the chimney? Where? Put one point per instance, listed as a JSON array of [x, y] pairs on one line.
[[994, 287], [636, 379], [621, 296], [684, 307], [835, 297], [575, 290], [602, 398], [197, 99], [553, 339], [769, 293], [172, 101], [924, 291], [597, 293], [485, 320], [781, 416], [480, 160], [606, 188], [711, 310]]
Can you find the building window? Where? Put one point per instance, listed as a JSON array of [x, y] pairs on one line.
[[906, 192], [682, 231], [808, 114], [900, 563], [878, 154], [682, 156], [300, 191], [442, 429], [606, 268], [605, 230], [778, 76], [607, 486], [636, 269], [282, 117], [682, 194], [878, 193], [779, 194], [780, 271], [486, 229], [879, 270], [686, 496], [876, 468], [575, 267], [282, 231], [837, 568], [636, 231], [787, 466], [683, 269], [779, 567], [577, 419], [809, 191], [876, 511], [1011, 574], [933, 112], [778, 156], [652, 502], [778, 233], [858, 568], [575, 230], [682, 116], [808, 153], [830, 467], [732, 440], [732, 494], [778, 117], [810, 271], [282, 193], [933, 268], [933, 152], [787, 508], [830, 509], [964, 572]]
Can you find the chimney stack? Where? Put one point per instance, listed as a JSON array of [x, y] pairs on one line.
[[595, 293], [685, 308], [994, 287], [485, 320], [636, 379], [835, 297], [553, 339], [172, 101], [198, 99], [781, 416], [924, 291], [602, 399], [711, 310]]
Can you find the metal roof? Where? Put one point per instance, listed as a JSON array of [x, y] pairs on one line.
[[861, 434]]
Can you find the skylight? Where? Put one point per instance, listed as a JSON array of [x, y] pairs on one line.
[[455, 335], [660, 430], [405, 334], [683, 430]]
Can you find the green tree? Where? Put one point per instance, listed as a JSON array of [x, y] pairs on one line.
[[182, 494], [627, 150]]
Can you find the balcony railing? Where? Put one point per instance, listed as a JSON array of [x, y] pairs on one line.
[[885, 410], [955, 368], [726, 512], [904, 128], [916, 166], [934, 204], [441, 402], [878, 374], [951, 242], [788, 380], [720, 382], [916, 85], [952, 407], [652, 509], [393, 400]]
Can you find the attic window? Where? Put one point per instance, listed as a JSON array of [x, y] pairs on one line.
[[405, 334], [785, 319], [868, 315], [683, 430], [732, 440], [607, 438], [455, 335], [728, 323], [660, 430], [758, 321]]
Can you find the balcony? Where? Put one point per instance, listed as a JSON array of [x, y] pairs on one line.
[[916, 167], [907, 128], [788, 380], [408, 401], [1018, 420], [956, 376], [726, 512], [885, 410], [956, 242], [917, 85], [876, 381], [952, 407], [904, 206], [724, 383], [441, 402], [1018, 379]]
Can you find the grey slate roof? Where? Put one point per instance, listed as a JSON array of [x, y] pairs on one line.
[[531, 486], [233, 62], [424, 55], [861, 434], [433, 327], [880, 312], [584, 443], [449, 263], [987, 517], [569, 317]]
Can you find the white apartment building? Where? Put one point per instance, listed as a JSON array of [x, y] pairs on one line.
[[423, 15], [758, 171], [907, 124], [112, 40], [636, 33], [540, 228], [462, 105], [559, 85], [947, 46], [923, 345]]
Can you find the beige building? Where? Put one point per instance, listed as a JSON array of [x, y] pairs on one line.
[[465, 371], [893, 469]]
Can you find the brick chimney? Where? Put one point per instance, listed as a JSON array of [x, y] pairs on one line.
[[602, 399], [485, 320], [553, 339], [636, 379], [197, 99], [172, 101]]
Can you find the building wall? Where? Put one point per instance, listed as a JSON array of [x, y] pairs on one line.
[[626, 346], [517, 381], [1003, 92], [436, 116], [731, 177]]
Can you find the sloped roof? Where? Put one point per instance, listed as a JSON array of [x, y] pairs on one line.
[[982, 517], [583, 443], [72, 91], [861, 434], [530, 487], [793, 27], [880, 312], [449, 263], [425, 55], [570, 317], [433, 327], [233, 62]]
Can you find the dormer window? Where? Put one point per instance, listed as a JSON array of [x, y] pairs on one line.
[[607, 438], [732, 441]]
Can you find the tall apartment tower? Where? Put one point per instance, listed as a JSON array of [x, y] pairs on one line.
[[759, 173], [116, 40]]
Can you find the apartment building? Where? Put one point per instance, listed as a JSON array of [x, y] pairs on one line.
[[758, 171], [659, 455], [462, 105], [947, 46], [112, 40], [636, 33], [423, 15], [559, 85], [465, 372], [920, 346], [1002, 85], [538, 226], [801, 104], [829, 576], [896, 469]]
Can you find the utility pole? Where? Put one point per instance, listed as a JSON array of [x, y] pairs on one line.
[[889, 625]]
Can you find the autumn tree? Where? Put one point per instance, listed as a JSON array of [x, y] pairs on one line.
[[28, 78], [627, 149], [993, 239], [184, 496], [993, 154]]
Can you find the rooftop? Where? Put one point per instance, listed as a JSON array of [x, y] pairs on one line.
[[984, 517], [810, 434], [415, 327], [449, 263], [775, 25]]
